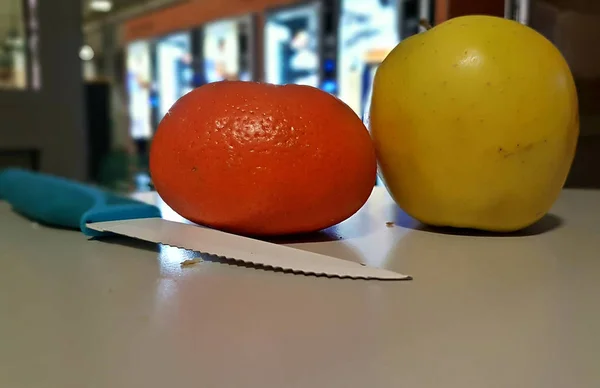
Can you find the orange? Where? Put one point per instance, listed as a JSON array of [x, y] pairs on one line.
[[260, 159]]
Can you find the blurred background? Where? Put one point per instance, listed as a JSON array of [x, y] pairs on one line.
[[84, 83]]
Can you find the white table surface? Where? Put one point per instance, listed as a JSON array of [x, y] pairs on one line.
[[482, 311]]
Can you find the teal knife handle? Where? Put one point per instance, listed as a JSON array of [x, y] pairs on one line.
[[64, 203]]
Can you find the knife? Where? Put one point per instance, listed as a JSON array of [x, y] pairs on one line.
[[57, 201]]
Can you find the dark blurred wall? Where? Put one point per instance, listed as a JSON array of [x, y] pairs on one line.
[[51, 119], [448, 9], [480, 7]]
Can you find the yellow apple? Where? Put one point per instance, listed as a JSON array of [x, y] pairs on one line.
[[475, 123]]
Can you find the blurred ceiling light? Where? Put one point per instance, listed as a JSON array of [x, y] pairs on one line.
[[101, 5], [86, 53]]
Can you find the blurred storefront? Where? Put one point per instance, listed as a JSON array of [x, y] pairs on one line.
[[13, 50], [40, 87], [335, 45]]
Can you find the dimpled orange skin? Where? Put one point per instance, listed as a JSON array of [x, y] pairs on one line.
[[260, 159]]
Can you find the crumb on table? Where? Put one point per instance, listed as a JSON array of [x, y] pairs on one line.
[[389, 224], [190, 262]]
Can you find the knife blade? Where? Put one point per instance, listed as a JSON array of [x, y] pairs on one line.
[[242, 249], [97, 213]]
